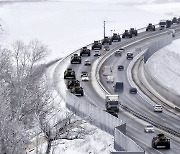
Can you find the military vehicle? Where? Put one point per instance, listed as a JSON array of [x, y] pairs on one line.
[[77, 91], [76, 59], [106, 41], [133, 31], [97, 45], [150, 27], [116, 37], [174, 20], [126, 34], [160, 141], [85, 52], [73, 83], [112, 103], [168, 23], [69, 74]]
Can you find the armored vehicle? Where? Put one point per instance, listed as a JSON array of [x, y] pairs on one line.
[[73, 83], [174, 20], [76, 59], [160, 141], [85, 52], [116, 37], [112, 103], [106, 41], [168, 23], [150, 27], [69, 74], [78, 91], [133, 31], [97, 45], [126, 34]]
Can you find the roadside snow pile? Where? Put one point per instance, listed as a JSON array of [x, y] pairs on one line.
[[164, 65]]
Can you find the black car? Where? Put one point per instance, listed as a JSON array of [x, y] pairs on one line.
[[133, 90], [106, 48], [118, 53], [120, 67], [130, 56]]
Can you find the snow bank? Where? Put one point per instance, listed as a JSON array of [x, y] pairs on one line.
[[165, 66]]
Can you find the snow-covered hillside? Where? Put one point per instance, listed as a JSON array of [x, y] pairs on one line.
[[165, 66]]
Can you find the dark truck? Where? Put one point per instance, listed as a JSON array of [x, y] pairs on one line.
[[97, 45], [106, 41], [69, 74], [85, 52], [118, 87], [126, 34], [174, 20], [116, 37], [112, 103], [160, 141], [76, 59], [150, 27], [133, 31]]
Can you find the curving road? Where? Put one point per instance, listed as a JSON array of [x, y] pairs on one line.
[[136, 102]]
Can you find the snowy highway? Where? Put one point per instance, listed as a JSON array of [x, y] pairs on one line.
[[134, 125]]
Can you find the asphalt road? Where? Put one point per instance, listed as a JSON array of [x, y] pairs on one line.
[[134, 126]]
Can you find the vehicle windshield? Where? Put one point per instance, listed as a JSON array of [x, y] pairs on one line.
[[149, 126], [162, 23], [113, 103]]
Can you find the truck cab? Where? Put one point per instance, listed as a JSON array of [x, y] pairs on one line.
[[112, 103]]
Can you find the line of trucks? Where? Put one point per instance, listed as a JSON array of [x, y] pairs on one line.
[[112, 103]]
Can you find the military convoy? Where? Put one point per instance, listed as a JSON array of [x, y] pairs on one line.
[[160, 141], [85, 52], [106, 41], [116, 37], [97, 45], [76, 59]]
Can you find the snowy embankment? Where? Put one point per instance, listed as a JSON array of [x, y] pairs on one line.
[[164, 65]]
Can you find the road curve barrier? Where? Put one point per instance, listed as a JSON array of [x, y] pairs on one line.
[[160, 88]]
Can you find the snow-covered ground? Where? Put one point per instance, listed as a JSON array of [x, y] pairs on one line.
[[165, 66], [66, 26]]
